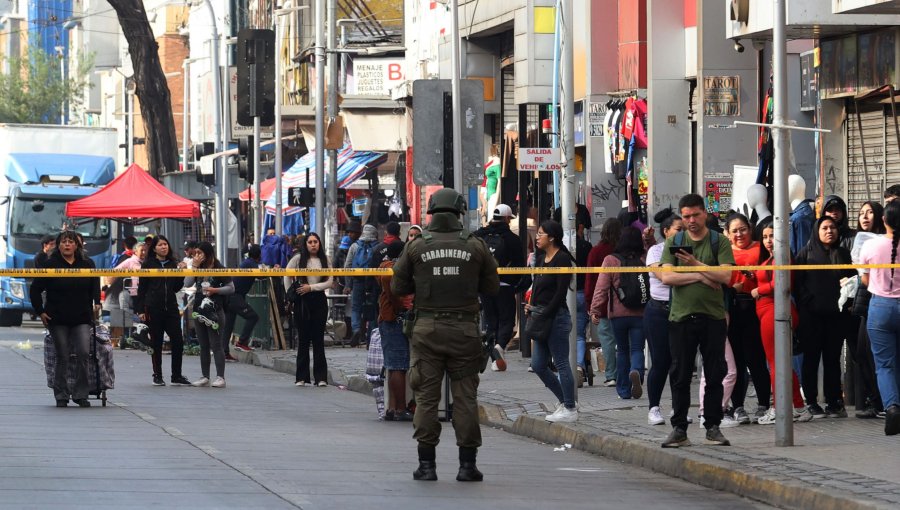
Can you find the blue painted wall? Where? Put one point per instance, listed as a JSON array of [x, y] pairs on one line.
[[45, 24]]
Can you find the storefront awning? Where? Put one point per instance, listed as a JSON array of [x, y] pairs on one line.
[[351, 166]]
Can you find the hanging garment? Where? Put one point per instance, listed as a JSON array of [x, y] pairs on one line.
[[607, 162]]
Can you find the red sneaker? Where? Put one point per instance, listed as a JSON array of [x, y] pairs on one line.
[[242, 347], [229, 357]]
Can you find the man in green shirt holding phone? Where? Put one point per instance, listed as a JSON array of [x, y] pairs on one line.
[[696, 319]]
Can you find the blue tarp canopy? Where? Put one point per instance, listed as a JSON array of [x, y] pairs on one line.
[[351, 166]]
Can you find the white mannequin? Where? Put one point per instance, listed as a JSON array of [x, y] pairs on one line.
[[756, 198], [796, 190]]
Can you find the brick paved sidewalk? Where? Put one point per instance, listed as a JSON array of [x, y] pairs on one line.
[[836, 463]]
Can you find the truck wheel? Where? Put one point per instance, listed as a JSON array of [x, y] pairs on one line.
[[10, 318]]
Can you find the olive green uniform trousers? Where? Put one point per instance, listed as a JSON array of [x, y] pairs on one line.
[[445, 344]]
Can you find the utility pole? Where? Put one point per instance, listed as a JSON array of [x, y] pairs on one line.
[[331, 238], [279, 93], [784, 409], [320, 118], [185, 114], [781, 126], [220, 168], [456, 99], [567, 187]]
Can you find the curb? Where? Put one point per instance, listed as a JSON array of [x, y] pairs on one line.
[[676, 463], [679, 464], [336, 377]]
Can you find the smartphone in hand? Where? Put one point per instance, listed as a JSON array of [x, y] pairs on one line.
[[686, 249]]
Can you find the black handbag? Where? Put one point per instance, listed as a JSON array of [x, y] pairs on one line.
[[860, 306], [539, 323], [292, 296]]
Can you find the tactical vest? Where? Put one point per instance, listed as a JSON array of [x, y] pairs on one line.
[[447, 268]]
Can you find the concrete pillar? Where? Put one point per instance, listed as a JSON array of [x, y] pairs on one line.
[[668, 97]]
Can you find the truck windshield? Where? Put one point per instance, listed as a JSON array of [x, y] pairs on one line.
[[33, 217]]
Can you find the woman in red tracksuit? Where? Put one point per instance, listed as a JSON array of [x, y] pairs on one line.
[[764, 294]]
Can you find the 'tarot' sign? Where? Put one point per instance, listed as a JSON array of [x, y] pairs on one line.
[[539, 160]]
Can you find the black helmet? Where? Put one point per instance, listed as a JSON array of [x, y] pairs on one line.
[[446, 200]]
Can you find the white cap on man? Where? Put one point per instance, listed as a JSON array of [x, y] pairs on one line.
[[503, 211]]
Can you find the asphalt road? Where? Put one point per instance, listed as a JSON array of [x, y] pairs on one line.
[[263, 443]]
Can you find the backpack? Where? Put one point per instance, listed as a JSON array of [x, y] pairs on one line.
[[713, 243], [363, 256], [634, 288], [497, 246]]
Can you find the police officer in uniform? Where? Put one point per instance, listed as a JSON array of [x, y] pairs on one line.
[[446, 267]]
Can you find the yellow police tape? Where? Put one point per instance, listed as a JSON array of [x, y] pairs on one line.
[[154, 273]]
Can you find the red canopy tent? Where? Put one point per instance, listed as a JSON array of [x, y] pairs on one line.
[[266, 188], [131, 197]]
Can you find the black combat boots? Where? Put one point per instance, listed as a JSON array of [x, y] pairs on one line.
[[468, 472], [427, 470]]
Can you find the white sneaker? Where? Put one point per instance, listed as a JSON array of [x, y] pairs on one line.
[[218, 383], [654, 417], [300, 383], [203, 381], [728, 422], [500, 364], [802, 414], [563, 415], [769, 417]]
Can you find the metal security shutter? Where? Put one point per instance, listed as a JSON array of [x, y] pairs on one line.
[[892, 151], [873, 133], [510, 109]]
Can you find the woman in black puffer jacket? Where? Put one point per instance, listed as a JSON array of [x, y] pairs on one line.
[[72, 304], [157, 307], [822, 322]]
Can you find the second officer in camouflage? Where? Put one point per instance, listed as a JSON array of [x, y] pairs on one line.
[[446, 267]]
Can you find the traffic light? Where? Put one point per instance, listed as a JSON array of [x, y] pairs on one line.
[[247, 151], [205, 172], [256, 76]]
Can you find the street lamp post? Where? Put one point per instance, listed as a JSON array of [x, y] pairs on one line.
[[218, 164], [186, 117], [320, 117], [456, 99], [781, 127], [185, 110], [331, 231], [279, 92], [567, 187], [60, 52]]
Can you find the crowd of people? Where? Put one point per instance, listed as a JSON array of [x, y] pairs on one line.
[[728, 316]]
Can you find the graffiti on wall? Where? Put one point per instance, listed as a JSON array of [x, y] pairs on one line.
[[612, 188]]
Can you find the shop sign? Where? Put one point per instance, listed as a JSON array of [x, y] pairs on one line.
[[543, 159], [595, 119], [722, 96], [376, 76]]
